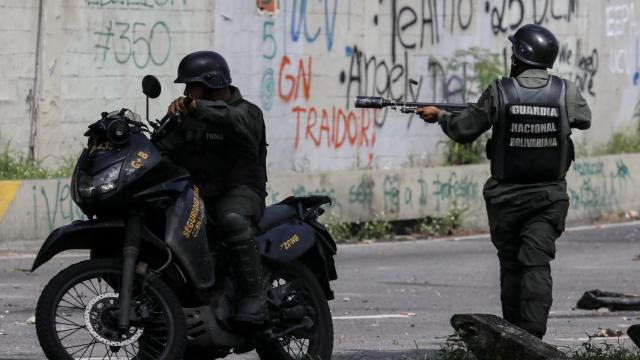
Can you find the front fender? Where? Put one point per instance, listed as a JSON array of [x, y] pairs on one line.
[[88, 234]]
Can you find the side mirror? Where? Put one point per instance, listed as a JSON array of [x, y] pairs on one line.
[[151, 86]]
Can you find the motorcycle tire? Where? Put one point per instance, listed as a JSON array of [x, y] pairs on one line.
[[306, 291], [77, 306]]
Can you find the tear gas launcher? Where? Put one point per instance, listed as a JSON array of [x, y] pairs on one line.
[[407, 107]]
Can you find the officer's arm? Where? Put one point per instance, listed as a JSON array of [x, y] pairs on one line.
[[181, 136], [470, 123], [242, 123], [213, 112], [577, 108]]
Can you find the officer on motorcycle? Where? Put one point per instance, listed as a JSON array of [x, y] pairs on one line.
[[221, 142], [531, 114]]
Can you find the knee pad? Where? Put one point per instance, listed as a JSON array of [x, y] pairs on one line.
[[234, 227]]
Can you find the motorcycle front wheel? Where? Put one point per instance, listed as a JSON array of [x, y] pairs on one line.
[[293, 290], [77, 316]]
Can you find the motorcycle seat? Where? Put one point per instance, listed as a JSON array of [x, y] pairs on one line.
[[306, 201], [275, 215]]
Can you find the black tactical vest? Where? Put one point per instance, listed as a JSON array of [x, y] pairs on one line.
[[222, 159], [530, 141]]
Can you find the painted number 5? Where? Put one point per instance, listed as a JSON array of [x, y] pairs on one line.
[[267, 36]]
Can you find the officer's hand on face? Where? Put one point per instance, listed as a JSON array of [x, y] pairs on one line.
[[428, 113], [178, 105]]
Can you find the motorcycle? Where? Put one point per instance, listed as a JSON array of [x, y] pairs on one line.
[[156, 286]]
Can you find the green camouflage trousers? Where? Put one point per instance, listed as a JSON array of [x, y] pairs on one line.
[[524, 228]]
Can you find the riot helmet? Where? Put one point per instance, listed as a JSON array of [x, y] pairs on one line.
[[535, 45], [206, 67]]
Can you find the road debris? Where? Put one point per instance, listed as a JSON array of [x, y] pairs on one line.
[[603, 333], [596, 299]]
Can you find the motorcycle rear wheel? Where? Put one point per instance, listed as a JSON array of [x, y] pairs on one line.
[[76, 316], [293, 285]]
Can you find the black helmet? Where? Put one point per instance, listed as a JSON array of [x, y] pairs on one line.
[[206, 67], [535, 45]]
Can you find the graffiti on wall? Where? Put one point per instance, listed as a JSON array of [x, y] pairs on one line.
[[392, 195], [305, 26], [508, 15], [139, 43], [599, 189], [55, 205], [305, 58], [623, 35], [583, 65], [141, 4], [411, 61]]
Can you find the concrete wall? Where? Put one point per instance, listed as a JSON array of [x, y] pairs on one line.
[[92, 57], [302, 64], [18, 24], [29, 210]]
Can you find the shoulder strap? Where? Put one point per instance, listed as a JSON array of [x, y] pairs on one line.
[[510, 90], [555, 90]]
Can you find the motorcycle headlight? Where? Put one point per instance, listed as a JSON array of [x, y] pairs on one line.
[[101, 183]]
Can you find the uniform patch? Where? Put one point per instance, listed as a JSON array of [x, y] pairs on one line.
[[533, 143], [530, 110], [539, 128], [214, 136]]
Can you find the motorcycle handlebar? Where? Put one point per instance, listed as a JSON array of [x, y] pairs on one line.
[[167, 119]]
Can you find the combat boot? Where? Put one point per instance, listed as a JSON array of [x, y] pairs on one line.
[[251, 309]]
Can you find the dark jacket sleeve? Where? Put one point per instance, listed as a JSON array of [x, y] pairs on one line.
[[190, 132], [213, 113], [194, 125], [577, 108], [471, 122], [240, 118]]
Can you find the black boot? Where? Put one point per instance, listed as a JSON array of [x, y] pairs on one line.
[[251, 309]]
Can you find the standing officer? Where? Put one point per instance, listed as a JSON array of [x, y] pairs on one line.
[[221, 142], [531, 114]]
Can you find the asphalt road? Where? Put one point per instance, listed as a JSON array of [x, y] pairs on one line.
[[394, 298]]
